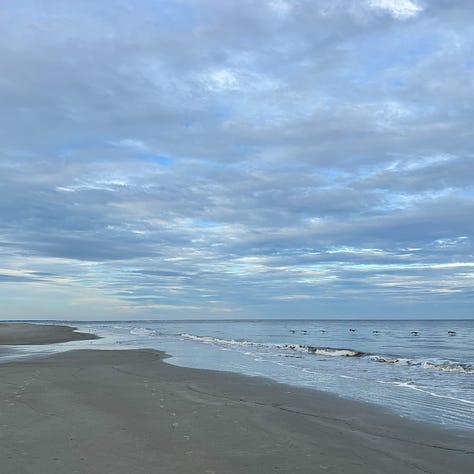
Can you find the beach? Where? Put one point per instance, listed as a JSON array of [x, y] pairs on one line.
[[128, 411]]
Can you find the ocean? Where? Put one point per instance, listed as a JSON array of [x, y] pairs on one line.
[[419, 369]]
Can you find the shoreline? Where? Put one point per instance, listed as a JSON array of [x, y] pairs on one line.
[[95, 411]]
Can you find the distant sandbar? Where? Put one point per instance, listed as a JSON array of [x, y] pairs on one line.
[[31, 334]]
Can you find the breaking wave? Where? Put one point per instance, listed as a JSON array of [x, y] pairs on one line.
[[449, 367], [143, 332], [218, 341], [326, 351], [444, 365]]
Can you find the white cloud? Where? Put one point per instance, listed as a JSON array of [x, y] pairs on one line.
[[131, 143], [232, 79], [221, 80], [399, 9], [281, 7], [294, 297]]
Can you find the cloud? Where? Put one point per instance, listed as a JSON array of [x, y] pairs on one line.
[[253, 158], [400, 9], [15, 278]]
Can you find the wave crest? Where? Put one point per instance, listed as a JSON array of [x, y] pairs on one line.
[[449, 367], [445, 366], [143, 332], [217, 340], [327, 351]]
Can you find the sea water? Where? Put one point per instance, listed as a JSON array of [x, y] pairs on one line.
[[420, 369]]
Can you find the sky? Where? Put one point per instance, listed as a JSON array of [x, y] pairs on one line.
[[230, 159]]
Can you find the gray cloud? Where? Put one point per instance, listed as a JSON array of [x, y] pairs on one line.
[[15, 278], [235, 159]]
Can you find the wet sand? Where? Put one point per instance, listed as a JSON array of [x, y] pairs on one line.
[[30, 334], [129, 412]]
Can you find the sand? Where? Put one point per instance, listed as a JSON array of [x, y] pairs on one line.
[[29, 334], [130, 412]]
